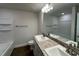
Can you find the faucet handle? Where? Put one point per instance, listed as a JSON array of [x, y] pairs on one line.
[[48, 34], [70, 44], [75, 46]]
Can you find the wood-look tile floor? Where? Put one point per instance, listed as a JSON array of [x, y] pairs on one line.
[[22, 51]]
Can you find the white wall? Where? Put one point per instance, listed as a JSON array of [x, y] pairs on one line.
[[21, 34], [24, 34], [6, 35], [40, 22]]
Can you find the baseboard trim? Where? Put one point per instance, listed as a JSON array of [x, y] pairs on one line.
[[20, 45]]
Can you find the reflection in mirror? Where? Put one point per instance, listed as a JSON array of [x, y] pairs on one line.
[[58, 21]]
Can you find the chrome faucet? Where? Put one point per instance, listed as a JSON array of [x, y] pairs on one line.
[[70, 49], [43, 34], [48, 34]]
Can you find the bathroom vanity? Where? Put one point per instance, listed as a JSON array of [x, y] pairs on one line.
[[44, 46]]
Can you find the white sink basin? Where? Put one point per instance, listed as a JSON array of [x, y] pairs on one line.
[[41, 38], [56, 51], [71, 42]]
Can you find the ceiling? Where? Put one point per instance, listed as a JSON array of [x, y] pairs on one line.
[[33, 7], [61, 8]]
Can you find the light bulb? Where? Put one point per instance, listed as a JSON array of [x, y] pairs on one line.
[[47, 8], [62, 13]]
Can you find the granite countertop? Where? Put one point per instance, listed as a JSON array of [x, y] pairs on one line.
[[46, 44]]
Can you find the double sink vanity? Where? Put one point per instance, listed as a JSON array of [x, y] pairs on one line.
[[44, 46]]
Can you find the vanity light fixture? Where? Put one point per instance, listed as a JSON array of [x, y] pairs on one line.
[[47, 8], [62, 13]]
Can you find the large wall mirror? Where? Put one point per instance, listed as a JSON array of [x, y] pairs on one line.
[[58, 21]]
